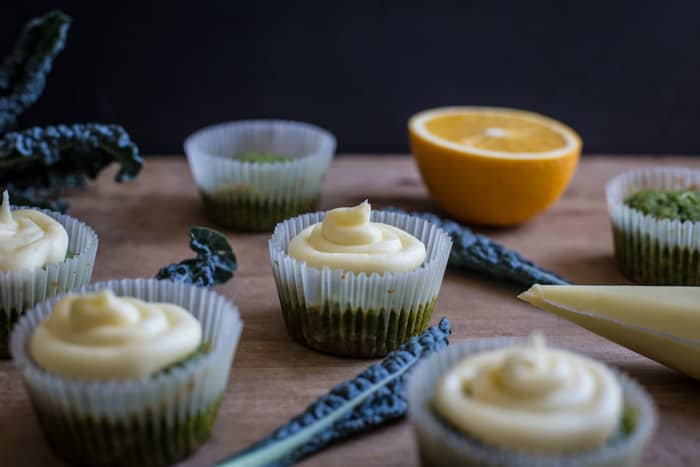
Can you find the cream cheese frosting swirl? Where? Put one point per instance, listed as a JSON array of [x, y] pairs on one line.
[[102, 336], [532, 398], [29, 238], [347, 240]]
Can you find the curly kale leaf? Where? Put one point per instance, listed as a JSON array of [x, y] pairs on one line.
[[37, 197], [23, 72], [376, 396], [37, 164], [478, 253], [215, 262]]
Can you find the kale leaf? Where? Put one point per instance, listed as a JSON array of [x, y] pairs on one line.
[[478, 253], [215, 262], [374, 397], [37, 197], [37, 164], [23, 72]]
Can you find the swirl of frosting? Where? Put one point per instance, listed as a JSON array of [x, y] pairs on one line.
[[102, 336], [29, 238], [532, 398], [346, 239]]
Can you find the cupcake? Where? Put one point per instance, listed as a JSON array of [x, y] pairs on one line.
[[355, 282], [128, 372], [497, 402], [42, 253], [254, 174], [655, 216]]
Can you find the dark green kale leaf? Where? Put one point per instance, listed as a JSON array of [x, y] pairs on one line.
[[478, 253], [215, 262], [23, 72], [37, 197], [37, 164], [374, 397]]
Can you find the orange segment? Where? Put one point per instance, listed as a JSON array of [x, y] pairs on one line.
[[493, 166]]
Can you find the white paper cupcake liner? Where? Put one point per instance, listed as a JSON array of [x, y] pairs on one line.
[[256, 196], [649, 250], [441, 446], [156, 420], [358, 315], [20, 290]]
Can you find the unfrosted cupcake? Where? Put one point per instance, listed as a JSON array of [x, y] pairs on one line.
[[497, 402], [42, 253], [128, 372], [355, 282], [655, 216], [253, 174]]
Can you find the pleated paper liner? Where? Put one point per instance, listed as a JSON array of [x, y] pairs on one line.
[[649, 250], [358, 315], [20, 290], [441, 446], [157, 420], [252, 196]]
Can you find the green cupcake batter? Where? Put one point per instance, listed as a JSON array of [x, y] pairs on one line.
[[152, 438], [354, 332], [262, 157], [677, 205]]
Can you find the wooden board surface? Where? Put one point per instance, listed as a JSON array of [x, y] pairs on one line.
[[143, 226]]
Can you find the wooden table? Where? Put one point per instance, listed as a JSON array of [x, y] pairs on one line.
[[143, 226]]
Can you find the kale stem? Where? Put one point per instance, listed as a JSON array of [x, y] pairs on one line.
[[374, 397], [287, 451]]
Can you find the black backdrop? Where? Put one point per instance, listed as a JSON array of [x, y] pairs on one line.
[[625, 74]]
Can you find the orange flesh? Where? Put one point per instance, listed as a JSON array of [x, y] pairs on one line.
[[477, 187], [496, 133]]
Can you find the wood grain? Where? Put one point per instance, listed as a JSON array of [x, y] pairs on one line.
[[143, 226]]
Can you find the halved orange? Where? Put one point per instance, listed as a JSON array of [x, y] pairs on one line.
[[493, 166]]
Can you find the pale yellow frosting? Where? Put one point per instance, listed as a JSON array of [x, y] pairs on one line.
[[29, 238], [662, 323], [532, 398], [102, 336], [346, 239]]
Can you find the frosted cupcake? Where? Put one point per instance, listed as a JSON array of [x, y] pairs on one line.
[[42, 253], [655, 216], [253, 174], [128, 372], [496, 402], [355, 282]]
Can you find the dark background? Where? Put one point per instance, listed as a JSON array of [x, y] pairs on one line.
[[625, 74]]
